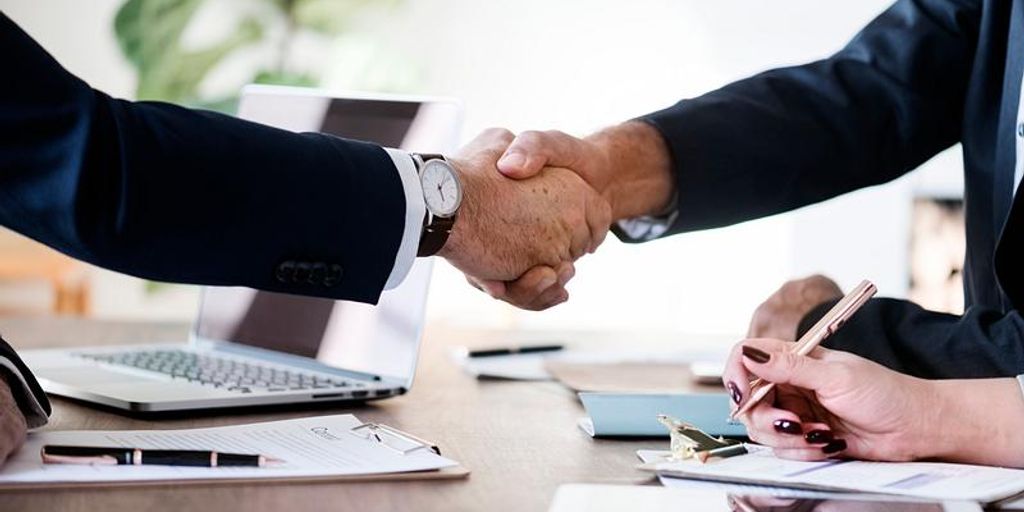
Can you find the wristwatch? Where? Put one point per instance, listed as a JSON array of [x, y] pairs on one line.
[[442, 193]]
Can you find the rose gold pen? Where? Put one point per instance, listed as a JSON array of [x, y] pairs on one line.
[[832, 321]]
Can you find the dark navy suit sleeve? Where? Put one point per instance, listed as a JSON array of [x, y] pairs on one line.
[[907, 338], [785, 138], [173, 194], [888, 101]]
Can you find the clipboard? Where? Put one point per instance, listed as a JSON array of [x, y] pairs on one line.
[[452, 473], [340, 432]]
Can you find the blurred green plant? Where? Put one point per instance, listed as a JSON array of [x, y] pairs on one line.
[[150, 34]]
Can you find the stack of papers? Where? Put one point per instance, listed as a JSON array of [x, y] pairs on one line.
[[313, 448], [928, 480]]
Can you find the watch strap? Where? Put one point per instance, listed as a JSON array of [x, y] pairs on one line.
[[435, 236], [435, 229], [422, 158]]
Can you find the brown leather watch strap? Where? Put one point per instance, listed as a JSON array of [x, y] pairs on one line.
[[426, 157], [435, 235]]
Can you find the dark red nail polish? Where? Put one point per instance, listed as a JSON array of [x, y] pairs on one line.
[[734, 392], [756, 355], [818, 436], [787, 427], [836, 446]]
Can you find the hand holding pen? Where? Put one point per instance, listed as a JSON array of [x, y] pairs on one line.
[[825, 327], [796, 421]]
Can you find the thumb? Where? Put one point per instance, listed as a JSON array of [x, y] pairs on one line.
[[772, 361], [532, 151]]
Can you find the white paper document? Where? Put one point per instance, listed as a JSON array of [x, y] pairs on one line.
[[616, 498], [321, 446], [531, 366], [735, 488], [930, 480]]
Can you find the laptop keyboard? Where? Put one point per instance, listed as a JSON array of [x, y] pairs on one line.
[[218, 372]]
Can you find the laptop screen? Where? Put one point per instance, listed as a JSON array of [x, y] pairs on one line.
[[383, 339]]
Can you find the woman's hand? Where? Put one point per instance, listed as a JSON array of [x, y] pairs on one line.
[[830, 403]]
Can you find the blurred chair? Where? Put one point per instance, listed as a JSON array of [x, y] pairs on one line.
[[25, 261]]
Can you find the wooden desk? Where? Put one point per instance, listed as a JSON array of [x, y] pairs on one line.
[[519, 439]]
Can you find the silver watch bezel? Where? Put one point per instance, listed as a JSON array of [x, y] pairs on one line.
[[458, 186]]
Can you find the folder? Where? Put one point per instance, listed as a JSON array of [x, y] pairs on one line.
[[635, 414]]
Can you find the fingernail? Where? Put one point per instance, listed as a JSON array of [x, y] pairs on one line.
[[565, 275], [757, 355], [489, 289], [835, 446], [513, 159], [787, 427], [546, 283], [734, 392], [818, 436]]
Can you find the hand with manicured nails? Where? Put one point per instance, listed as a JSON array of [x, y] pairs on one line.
[[831, 403], [828, 403]]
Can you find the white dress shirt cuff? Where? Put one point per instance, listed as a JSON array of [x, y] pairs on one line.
[[415, 209], [35, 415], [649, 227], [1020, 380]]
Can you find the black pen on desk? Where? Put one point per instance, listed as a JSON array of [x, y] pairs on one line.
[[111, 456], [508, 351]]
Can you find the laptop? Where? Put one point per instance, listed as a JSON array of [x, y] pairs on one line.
[[254, 348]]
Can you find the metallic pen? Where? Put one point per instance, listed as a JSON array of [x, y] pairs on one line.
[[832, 321], [55, 454]]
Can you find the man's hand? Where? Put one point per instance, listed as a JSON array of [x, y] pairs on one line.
[[507, 227], [628, 165], [12, 423], [780, 315]]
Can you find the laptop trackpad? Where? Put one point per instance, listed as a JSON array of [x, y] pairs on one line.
[[89, 376]]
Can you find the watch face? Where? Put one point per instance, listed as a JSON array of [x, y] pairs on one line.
[[442, 190]]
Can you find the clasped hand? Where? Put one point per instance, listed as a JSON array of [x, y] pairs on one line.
[[562, 193], [527, 230]]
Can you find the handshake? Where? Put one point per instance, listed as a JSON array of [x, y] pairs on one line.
[[535, 203]]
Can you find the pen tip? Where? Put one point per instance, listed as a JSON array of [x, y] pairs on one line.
[[271, 461]]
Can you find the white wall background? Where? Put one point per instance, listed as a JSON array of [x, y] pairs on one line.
[[578, 65]]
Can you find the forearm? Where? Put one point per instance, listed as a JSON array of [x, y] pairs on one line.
[[641, 182], [905, 337], [146, 189], [791, 137], [976, 421]]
